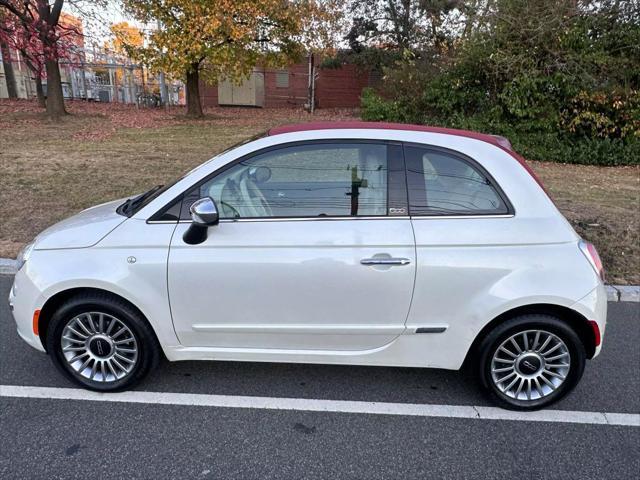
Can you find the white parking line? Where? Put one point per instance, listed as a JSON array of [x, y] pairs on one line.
[[315, 405]]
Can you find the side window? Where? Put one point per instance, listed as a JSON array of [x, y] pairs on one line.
[[314, 180], [442, 183]]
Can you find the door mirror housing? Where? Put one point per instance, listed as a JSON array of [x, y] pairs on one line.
[[204, 214]]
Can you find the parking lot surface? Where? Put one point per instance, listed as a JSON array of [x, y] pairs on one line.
[[66, 438]]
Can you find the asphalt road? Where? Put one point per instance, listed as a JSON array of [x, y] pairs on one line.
[[46, 438]]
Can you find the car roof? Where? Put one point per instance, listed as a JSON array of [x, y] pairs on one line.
[[349, 125], [496, 140]]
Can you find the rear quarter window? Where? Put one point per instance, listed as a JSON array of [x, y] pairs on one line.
[[442, 182]]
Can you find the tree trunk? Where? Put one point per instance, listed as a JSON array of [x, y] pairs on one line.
[[40, 91], [194, 108], [8, 72], [37, 78], [55, 98]]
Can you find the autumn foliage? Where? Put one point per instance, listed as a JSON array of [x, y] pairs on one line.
[[43, 35], [224, 38]]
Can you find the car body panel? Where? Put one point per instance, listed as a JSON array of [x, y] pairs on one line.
[[82, 230], [136, 273], [292, 284]]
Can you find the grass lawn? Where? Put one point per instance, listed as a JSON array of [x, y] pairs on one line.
[[102, 152]]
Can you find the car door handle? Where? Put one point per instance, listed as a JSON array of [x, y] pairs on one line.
[[385, 261]]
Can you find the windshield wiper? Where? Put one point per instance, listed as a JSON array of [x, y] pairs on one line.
[[130, 205]]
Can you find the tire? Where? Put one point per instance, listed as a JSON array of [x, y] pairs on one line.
[[117, 340], [563, 356]]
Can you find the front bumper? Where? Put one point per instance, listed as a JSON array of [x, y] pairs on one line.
[[24, 299]]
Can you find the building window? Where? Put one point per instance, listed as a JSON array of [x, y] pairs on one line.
[[282, 79]]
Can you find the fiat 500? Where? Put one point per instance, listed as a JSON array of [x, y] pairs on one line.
[[332, 243]]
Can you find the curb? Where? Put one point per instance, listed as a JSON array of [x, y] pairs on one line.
[[623, 293], [615, 293], [7, 266]]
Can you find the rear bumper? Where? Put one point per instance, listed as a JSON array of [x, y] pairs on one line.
[[593, 307]]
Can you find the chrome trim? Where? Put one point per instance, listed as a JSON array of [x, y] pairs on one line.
[[309, 219], [456, 217], [288, 219], [204, 212], [385, 261], [325, 219]]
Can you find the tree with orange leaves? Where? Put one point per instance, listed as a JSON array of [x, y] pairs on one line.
[[125, 38], [223, 38]]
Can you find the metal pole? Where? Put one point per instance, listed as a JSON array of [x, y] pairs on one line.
[[310, 93], [132, 88], [163, 86], [112, 85], [313, 85]]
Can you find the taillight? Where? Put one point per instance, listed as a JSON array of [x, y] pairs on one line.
[[591, 253], [597, 336]]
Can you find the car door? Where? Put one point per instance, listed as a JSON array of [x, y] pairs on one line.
[[314, 250]]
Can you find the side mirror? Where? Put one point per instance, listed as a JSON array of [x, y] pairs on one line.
[[204, 214]]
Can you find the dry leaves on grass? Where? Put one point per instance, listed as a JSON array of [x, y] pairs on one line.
[[99, 121]]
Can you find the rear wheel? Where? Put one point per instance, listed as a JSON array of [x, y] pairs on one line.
[[101, 343], [531, 361]]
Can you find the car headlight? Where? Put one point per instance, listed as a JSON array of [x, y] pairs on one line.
[[23, 255]]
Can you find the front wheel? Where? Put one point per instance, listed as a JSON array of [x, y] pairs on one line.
[[101, 343], [531, 361]]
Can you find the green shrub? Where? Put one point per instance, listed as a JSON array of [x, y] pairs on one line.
[[562, 86], [377, 109], [534, 143]]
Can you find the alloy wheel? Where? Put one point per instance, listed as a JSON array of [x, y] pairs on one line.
[[530, 365], [99, 347]]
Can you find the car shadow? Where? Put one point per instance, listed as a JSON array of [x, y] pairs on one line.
[[335, 382]]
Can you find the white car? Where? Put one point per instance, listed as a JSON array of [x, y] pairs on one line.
[[342, 243]]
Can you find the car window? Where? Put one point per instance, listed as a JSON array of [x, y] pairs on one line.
[[442, 183], [313, 180]]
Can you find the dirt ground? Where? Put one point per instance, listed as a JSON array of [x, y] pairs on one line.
[[106, 151]]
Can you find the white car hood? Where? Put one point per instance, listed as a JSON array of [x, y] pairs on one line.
[[84, 229]]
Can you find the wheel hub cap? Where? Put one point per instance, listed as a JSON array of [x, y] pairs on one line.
[[99, 347], [530, 365]]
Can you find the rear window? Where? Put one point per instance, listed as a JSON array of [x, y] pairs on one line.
[[444, 183]]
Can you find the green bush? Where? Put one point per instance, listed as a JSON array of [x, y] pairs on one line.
[[377, 109], [563, 86], [546, 144]]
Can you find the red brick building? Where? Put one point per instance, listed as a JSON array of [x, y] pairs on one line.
[[334, 88]]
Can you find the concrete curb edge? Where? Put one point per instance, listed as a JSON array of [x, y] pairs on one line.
[[8, 266], [615, 293]]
